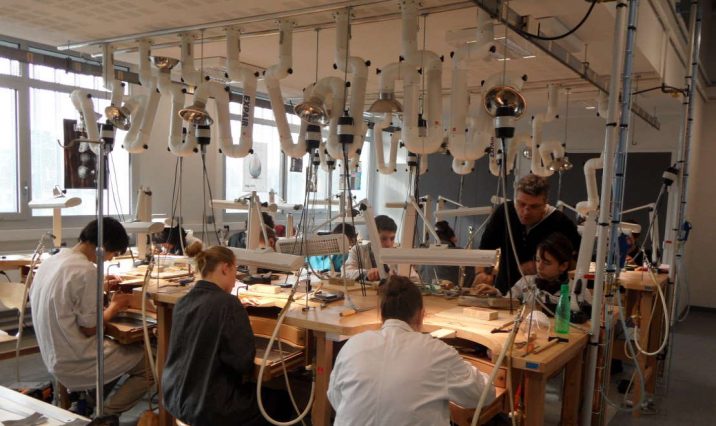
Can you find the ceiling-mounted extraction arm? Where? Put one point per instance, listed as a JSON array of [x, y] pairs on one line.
[[272, 79], [468, 143], [422, 133], [140, 131]]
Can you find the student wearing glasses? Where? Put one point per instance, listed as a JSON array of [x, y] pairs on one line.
[[532, 220]]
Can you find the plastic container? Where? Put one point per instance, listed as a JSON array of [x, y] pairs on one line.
[[562, 314]]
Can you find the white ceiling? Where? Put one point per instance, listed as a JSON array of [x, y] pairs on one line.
[[63, 22]]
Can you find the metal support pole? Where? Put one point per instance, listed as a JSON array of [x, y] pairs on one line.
[[605, 202], [685, 149], [99, 383]]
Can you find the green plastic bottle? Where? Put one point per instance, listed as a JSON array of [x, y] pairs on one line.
[[561, 319]]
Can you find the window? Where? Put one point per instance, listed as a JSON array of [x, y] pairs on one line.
[[9, 67], [53, 75], [8, 150], [47, 110], [296, 182], [260, 171]]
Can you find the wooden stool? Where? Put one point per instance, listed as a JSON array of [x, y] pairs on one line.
[[62, 397]]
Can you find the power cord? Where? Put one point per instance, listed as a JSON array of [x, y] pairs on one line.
[[561, 36]]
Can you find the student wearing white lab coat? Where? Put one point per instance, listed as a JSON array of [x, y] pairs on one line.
[[399, 376]]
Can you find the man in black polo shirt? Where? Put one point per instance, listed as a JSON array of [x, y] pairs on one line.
[[532, 220]]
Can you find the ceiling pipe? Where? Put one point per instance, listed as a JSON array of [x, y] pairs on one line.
[[358, 68], [540, 163], [111, 83], [178, 142], [189, 74], [82, 100], [468, 143], [467, 149], [240, 74], [430, 64], [382, 166], [272, 77], [137, 142]]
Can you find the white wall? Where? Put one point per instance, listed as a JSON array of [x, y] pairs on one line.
[[700, 208]]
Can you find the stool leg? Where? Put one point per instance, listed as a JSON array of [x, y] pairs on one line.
[[62, 398]]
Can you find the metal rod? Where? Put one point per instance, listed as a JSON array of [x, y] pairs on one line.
[[685, 145], [605, 201], [99, 383]]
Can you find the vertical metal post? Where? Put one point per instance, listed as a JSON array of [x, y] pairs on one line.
[[605, 202], [99, 383], [685, 149]]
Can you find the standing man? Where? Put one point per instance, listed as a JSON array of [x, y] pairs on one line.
[[64, 315], [532, 220]]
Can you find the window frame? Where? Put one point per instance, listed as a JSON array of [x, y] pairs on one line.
[[23, 84], [241, 216]]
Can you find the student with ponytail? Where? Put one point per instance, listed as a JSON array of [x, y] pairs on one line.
[[207, 376]]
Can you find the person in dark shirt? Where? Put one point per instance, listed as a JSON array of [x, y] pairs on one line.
[[451, 273], [532, 220], [210, 364], [238, 239]]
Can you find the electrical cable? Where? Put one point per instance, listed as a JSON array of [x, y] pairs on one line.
[[145, 327], [211, 197], [561, 36], [264, 361], [651, 317]]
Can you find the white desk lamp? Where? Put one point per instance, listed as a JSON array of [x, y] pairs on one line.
[[407, 236], [436, 255], [56, 204], [441, 213], [268, 259]]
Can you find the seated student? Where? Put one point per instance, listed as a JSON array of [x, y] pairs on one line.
[[238, 239], [63, 297], [210, 364], [451, 273], [361, 259], [398, 375], [271, 235], [633, 255], [174, 240], [554, 255], [334, 262]]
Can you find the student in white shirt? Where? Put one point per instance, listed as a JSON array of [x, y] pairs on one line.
[[361, 261], [397, 375], [63, 297]]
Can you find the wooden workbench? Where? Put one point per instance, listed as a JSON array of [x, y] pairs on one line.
[[328, 327]]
